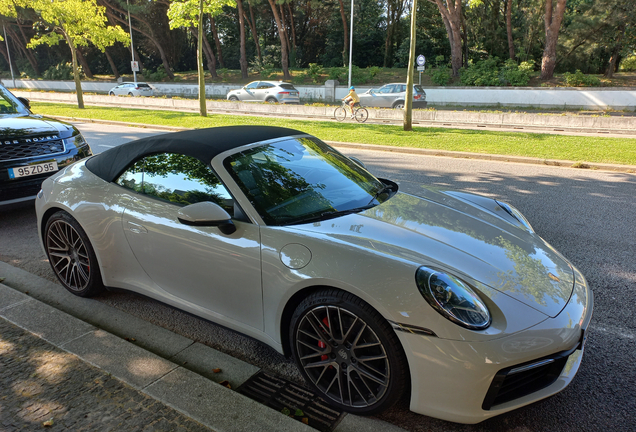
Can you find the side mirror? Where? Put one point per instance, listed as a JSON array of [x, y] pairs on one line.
[[25, 102], [207, 214], [358, 161]]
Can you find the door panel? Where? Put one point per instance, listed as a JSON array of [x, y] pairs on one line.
[[198, 265]]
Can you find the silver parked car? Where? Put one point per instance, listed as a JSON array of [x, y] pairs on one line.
[[393, 96], [132, 89], [449, 297], [266, 91]]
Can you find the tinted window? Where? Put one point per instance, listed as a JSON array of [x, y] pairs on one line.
[[297, 180], [264, 85], [176, 178], [418, 88], [143, 85], [287, 86]]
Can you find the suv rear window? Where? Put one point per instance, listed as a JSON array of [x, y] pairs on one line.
[[143, 85], [418, 88], [287, 86]]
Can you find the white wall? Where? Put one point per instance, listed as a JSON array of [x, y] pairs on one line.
[[587, 98]]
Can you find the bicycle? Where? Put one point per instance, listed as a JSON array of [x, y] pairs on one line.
[[360, 114]]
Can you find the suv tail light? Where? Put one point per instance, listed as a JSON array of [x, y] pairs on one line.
[[417, 96]]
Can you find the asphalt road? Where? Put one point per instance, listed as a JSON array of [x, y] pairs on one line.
[[587, 215]]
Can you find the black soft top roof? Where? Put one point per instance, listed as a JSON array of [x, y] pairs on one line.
[[203, 144]]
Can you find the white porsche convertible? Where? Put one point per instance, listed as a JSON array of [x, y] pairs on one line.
[[449, 296]]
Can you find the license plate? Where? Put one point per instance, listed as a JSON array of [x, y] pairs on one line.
[[25, 171]]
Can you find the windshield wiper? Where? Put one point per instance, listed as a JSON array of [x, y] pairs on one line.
[[332, 214], [386, 188]]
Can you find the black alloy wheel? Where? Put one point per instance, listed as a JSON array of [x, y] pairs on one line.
[[348, 352], [71, 256]]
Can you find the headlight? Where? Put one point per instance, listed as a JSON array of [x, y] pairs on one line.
[[452, 298], [77, 141], [515, 214]]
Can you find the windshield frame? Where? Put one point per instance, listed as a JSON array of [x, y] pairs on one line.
[[282, 203], [19, 107]]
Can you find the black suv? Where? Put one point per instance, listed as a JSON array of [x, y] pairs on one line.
[[32, 148]]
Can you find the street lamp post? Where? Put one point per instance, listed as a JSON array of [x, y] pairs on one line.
[[350, 42], [132, 47]]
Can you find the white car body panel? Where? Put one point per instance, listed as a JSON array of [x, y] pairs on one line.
[[245, 280]]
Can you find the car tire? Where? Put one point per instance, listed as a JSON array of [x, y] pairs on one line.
[[271, 100], [398, 105], [348, 352], [111, 94], [233, 99], [130, 94], [71, 255]]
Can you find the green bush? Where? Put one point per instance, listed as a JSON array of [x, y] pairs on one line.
[[579, 79], [338, 73], [628, 64], [62, 71], [440, 75], [516, 75], [482, 73], [314, 72], [158, 75]]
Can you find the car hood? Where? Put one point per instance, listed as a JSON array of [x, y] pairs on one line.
[[33, 126], [468, 235]]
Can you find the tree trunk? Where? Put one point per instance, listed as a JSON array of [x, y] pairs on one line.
[[202, 105], [408, 103], [345, 49], [85, 68], [511, 45], [243, 58], [217, 42], [209, 54], [292, 26], [27, 51], [283, 41], [113, 67], [76, 75], [254, 33], [452, 16], [149, 34], [611, 68], [552, 21]]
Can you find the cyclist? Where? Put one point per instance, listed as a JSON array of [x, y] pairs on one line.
[[351, 99]]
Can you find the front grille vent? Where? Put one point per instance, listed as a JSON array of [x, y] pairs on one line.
[[24, 148]]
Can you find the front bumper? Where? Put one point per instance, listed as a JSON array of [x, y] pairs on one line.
[[26, 188], [468, 382]]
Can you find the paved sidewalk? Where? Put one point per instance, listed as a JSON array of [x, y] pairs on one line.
[[83, 365], [42, 385]]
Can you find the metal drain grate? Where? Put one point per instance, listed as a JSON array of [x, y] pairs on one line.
[[283, 395]]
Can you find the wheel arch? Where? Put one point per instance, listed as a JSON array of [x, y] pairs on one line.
[[397, 102]]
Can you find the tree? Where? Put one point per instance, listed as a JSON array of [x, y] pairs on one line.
[[284, 44], [408, 103], [78, 23], [243, 58], [190, 13], [395, 9], [552, 20], [511, 44], [451, 11]]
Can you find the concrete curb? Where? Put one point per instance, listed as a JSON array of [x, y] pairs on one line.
[[161, 364]]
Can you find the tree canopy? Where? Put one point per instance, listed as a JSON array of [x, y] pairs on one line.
[[594, 36]]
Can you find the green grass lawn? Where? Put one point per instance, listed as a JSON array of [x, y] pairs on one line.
[[543, 146]]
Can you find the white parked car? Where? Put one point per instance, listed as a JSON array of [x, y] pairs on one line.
[[275, 234], [132, 89], [266, 91], [393, 96]]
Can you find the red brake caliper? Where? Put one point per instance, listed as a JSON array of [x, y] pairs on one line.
[[321, 344]]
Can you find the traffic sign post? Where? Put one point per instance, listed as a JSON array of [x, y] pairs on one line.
[[421, 61]]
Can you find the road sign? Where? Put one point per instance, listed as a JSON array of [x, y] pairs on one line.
[[134, 65], [421, 68], [421, 60]]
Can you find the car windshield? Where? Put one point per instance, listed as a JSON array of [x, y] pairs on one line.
[[303, 180], [9, 104]]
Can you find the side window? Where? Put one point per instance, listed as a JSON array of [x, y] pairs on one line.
[[264, 85], [176, 178], [252, 85], [402, 88]]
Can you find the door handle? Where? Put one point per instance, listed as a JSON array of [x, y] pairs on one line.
[[136, 228]]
